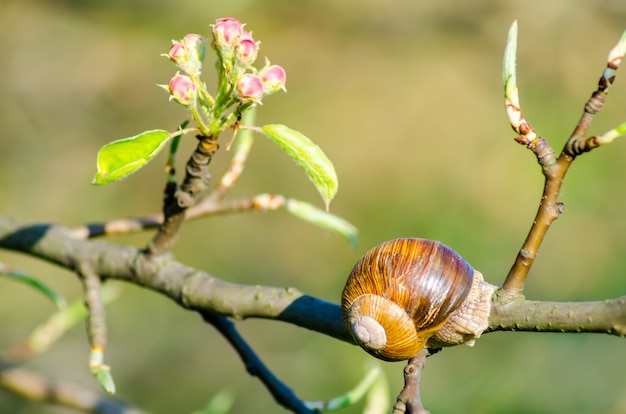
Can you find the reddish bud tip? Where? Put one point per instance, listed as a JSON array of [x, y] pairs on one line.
[[188, 53], [250, 87], [182, 89], [247, 51], [274, 78], [177, 52], [226, 31]]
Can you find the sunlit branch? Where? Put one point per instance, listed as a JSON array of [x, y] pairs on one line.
[[577, 143], [554, 170], [197, 290]]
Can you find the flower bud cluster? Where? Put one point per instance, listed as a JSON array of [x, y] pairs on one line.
[[188, 53], [239, 82], [237, 50]]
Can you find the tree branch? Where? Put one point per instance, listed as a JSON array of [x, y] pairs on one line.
[[554, 170], [255, 367], [606, 316], [409, 400], [197, 290], [206, 206], [197, 178]]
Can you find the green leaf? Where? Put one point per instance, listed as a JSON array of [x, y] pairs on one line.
[[611, 135], [50, 293], [321, 218], [60, 322], [123, 157], [351, 397], [220, 403], [101, 372], [377, 400], [105, 379], [508, 65], [308, 156], [311, 214]]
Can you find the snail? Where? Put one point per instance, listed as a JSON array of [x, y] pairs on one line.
[[409, 293]]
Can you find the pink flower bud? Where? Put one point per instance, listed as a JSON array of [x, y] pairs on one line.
[[182, 89], [226, 31], [247, 51], [250, 87], [196, 45], [188, 54], [274, 78], [245, 35], [178, 52]]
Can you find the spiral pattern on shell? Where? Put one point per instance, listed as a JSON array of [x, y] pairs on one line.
[[401, 292]]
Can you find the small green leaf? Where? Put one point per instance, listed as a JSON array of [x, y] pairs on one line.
[[321, 218], [105, 379], [58, 300], [220, 403], [611, 135], [60, 322], [123, 157], [351, 397], [308, 156], [508, 65], [377, 399], [101, 372]]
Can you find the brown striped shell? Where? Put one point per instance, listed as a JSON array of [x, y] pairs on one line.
[[402, 292]]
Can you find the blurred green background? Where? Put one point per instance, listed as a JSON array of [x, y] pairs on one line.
[[406, 98]]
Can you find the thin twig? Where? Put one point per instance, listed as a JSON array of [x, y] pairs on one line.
[[577, 144], [96, 324], [206, 206], [96, 327], [43, 336], [554, 171], [409, 400], [34, 387], [255, 367]]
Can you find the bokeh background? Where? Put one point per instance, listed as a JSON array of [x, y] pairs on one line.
[[406, 98]]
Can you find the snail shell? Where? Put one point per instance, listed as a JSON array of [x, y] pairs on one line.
[[408, 293]]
